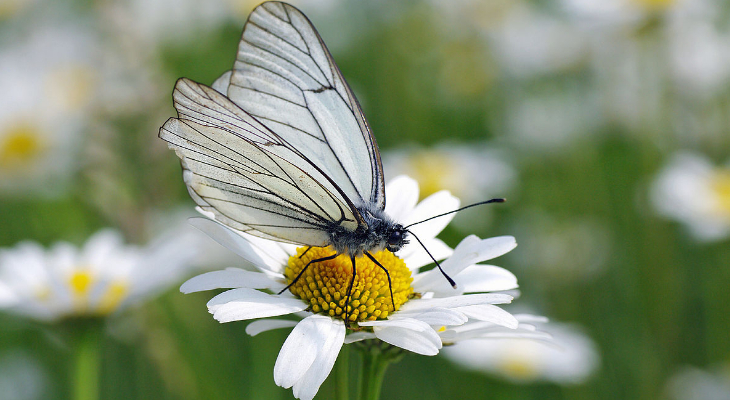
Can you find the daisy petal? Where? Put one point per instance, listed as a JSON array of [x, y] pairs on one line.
[[306, 387], [228, 239], [456, 301], [470, 251], [490, 313], [437, 203], [300, 350], [416, 256], [264, 325], [244, 303], [230, 278], [358, 336], [436, 316], [402, 194], [407, 333]]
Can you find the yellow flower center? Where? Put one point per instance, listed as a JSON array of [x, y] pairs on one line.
[[19, 144], [720, 183], [81, 283], [324, 284]]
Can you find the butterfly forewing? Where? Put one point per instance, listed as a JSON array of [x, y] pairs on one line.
[[286, 78], [233, 171]]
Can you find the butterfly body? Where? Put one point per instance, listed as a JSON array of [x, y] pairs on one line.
[[377, 232]]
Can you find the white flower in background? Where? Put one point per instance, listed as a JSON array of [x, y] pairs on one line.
[[102, 277], [691, 383], [472, 172], [567, 357], [425, 303], [21, 377], [691, 190], [47, 80], [550, 120], [529, 43]]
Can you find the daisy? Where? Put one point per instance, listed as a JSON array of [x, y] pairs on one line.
[[691, 190], [694, 383], [102, 277], [422, 307], [564, 356]]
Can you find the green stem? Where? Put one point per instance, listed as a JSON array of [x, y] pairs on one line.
[[86, 363], [377, 356], [342, 374]]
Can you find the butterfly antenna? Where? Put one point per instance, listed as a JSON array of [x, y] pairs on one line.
[[448, 278], [457, 210]]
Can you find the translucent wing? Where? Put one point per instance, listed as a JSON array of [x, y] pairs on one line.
[[286, 78], [246, 175]]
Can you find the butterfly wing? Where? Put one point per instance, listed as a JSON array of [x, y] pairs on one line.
[[246, 175], [285, 77]]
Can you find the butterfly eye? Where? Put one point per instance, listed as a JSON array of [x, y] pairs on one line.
[[395, 238]]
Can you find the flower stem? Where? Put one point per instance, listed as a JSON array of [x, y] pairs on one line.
[[86, 362], [377, 356]]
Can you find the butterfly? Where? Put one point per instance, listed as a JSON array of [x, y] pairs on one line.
[[279, 147]]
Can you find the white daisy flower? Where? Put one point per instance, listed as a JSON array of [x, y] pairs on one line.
[[425, 304], [103, 276], [691, 190], [470, 171], [564, 356], [48, 80]]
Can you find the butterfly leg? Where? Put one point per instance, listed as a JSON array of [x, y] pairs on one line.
[[299, 275], [349, 290], [390, 284], [305, 251]]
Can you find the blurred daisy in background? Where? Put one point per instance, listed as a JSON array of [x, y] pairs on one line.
[[426, 306], [469, 171], [47, 80], [692, 190], [102, 277], [691, 383], [21, 377], [473, 173], [568, 357]]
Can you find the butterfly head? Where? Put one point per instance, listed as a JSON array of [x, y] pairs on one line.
[[396, 238]]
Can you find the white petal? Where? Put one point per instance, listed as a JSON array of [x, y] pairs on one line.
[[490, 313], [456, 301], [486, 278], [410, 334], [264, 325], [229, 239], [306, 387], [358, 336], [244, 303], [435, 316], [230, 278], [470, 251], [435, 204], [299, 350], [416, 256], [402, 195]]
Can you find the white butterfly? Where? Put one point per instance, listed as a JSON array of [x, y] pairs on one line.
[[279, 148]]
